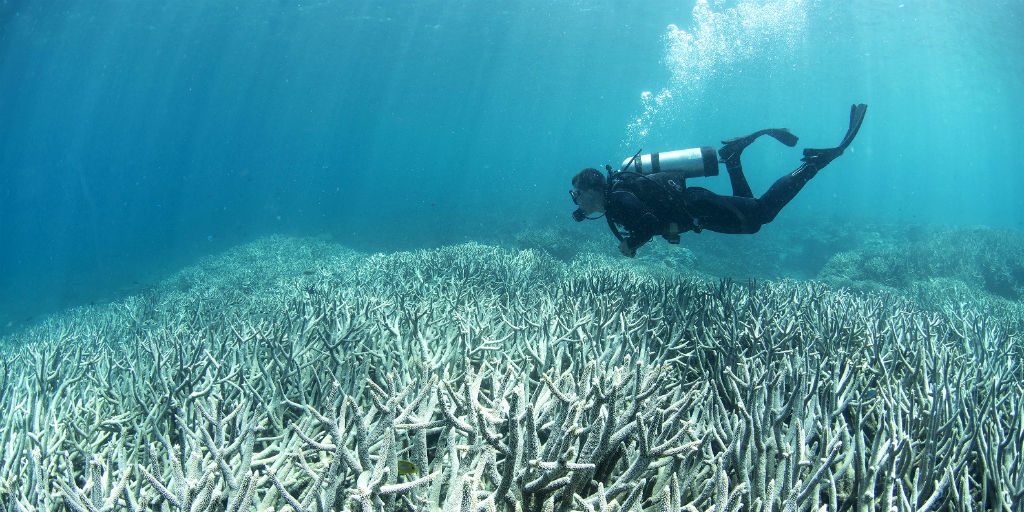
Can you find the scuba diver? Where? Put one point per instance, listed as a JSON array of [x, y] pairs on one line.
[[648, 196]]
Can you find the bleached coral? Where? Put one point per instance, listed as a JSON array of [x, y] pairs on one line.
[[478, 379]]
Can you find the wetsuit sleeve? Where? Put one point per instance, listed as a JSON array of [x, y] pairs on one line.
[[641, 224]]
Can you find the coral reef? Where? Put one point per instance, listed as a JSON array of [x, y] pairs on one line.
[[987, 260], [782, 249], [293, 375], [560, 242], [915, 261]]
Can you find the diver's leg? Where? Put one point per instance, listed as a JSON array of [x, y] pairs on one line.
[[785, 188], [733, 148], [723, 214], [783, 191], [740, 187]]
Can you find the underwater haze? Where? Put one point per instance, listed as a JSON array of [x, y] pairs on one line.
[[137, 136], [319, 255]]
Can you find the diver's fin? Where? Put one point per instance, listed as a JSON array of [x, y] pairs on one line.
[[733, 147], [782, 135], [821, 157]]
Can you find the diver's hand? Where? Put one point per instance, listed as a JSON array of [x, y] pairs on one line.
[[625, 250]]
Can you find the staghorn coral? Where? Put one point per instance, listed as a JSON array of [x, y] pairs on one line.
[[785, 248], [510, 382]]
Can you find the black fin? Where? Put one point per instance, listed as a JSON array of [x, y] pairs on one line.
[[821, 157], [857, 113], [733, 147], [782, 135]]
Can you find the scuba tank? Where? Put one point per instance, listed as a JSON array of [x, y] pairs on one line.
[[692, 163]]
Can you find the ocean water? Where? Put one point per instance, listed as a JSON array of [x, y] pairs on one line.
[[318, 255], [138, 136]]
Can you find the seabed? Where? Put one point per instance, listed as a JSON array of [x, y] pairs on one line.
[[293, 374]]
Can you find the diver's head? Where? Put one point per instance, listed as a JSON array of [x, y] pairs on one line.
[[588, 193]]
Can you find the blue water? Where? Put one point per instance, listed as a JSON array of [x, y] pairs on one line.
[[136, 136]]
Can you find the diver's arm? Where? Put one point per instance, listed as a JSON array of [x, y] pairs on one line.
[[638, 220], [641, 234]]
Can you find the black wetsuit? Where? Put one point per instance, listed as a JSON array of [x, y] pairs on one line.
[[653, 204]]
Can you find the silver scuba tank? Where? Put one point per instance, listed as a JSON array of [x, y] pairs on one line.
[[692, 162]]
